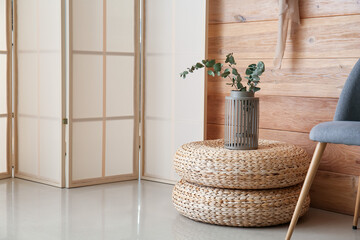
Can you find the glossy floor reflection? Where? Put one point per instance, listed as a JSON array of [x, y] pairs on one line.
[[131, 211]]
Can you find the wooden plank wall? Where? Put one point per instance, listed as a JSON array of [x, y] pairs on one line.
[[317, 60]]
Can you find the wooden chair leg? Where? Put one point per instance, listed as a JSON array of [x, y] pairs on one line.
[[357, 205], [306, 186]]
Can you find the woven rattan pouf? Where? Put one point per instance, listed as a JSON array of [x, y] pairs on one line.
[[232, 207], [273, 165], [246, 188]]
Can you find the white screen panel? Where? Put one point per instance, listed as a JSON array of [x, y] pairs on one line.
[[119, 86], [27, 25], [102, 93], [28, 83], [87, 86], [49, 17], [119, 147], [174, 108], [5, 127], [158, 92], [3, 84], [120, 25], [39, 90], [3, 144], [87, 150], [191, 86], [50, 156], [50, 85], [159, 26], [2, 25], [28, 145], [87, 25], [159, 151]]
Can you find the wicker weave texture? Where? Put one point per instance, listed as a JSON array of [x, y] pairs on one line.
[[273, 165], [231, 207]]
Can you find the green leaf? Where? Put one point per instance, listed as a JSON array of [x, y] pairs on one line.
[[243, 89], [210, 63], [218, 66], [248, 78], [239, 85], [259, 69], [227, 70], [199, 65], [238, 78], [230, 59], [211, 73], [256, 89], [204, 61], [233, 80], [255, 78], [183, 74], [252, 65], [249, 71], [234, 71], [191, 69], [225, 74], [261, 66], [257, 72]]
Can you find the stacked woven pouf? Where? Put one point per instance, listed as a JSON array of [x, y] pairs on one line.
[[246, 188]]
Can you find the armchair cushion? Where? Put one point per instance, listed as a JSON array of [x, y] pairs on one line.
[[340, 132]]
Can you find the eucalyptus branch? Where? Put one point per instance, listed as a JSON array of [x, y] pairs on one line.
[[253, 73]]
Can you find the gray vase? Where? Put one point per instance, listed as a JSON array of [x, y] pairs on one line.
[[241, 121]]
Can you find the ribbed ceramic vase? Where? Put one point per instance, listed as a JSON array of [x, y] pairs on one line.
[[241, 121]]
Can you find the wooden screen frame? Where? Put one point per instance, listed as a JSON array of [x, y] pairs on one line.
[[8, 115], [17, 173], [116, 178], [143, 83]]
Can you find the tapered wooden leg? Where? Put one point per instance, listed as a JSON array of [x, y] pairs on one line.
[[357, 205], [306, 186]]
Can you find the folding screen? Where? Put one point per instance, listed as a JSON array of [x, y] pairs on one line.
[[39, 90], [173, 107], [5, 89], [103, 91]]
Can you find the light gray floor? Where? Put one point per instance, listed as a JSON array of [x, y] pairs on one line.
[[130, 211]]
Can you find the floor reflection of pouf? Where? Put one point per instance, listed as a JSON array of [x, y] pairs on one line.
[[234, 207]]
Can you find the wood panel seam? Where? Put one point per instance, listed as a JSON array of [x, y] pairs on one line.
[[275, 20], [273, 129]]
